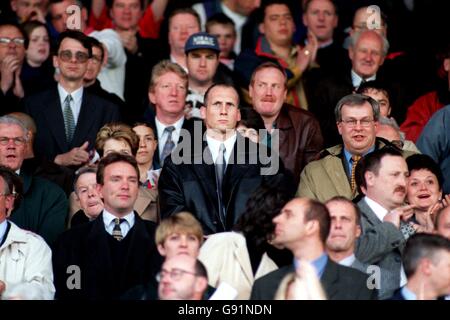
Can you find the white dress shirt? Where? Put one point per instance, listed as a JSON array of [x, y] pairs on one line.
[[356, 79], [163, 135], [214, 146], [108, 220], [75, 104]]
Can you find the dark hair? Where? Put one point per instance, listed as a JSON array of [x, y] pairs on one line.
[[354, 100], [264, 204], [219, 18], [187, 10], [349, 202], [425, 162], [318, 211], [200, 269], [97, 44], [220, 84], [29, 26], [268, 3], [376, 85], [18, 27], [13, 184], [251, 119], [308, 2], [372, 162], [269, 65], [113, 158], [420, 246], [76, 35]]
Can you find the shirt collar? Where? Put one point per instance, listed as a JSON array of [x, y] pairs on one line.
[[160, 127], [348, 261], [214, 146], [3, 227], [76, 95], [348, 155], [319, 264], [377, 208], [108, 218], [408, 294], [356, 79]]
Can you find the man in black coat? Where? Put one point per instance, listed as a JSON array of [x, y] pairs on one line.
[[302, 227], [67, 116], [213, 175], [105, 257]]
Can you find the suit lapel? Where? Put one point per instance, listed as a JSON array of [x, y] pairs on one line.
[[368, 213], [241, 255], [330, 279], [85, 120], [55, 119]]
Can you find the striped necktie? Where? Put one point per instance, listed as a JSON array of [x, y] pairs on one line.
[[69, 121], [117, 232]]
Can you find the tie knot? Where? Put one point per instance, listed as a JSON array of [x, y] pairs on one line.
[[222, 147], [68, 98], [118, 221], [169, 129], [356, 158]]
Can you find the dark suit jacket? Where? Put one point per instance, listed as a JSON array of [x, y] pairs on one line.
[[188, 124], [191, 185], [87, 246], [339, 283], [380, 243], [45, 109]]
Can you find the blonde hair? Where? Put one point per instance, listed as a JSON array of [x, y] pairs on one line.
[[181, 222], [163, 67]]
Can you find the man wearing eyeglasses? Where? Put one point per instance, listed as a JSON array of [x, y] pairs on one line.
[[68, 117], [182, 277], [12, 53], [43, 209], [334, 173]]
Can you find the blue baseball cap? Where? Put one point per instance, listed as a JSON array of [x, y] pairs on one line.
[[202, 40]]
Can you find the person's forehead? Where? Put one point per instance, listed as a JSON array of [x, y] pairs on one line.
[[169, 76], [276, 9], [115, 2], [369, 39], [221, 28], [10, 31], [321, 4], [340, 208], [114, 168], [202, 52], [182, 19], [144, 130], [393, 162], [11, 127], [70, 43], [272, 74], [357, 110], [87, 178], [360, 16], [222, 93]]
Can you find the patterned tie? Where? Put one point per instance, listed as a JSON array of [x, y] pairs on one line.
[[355, 160], [69, 121], [117, 232], [220, 166], [169, 145]]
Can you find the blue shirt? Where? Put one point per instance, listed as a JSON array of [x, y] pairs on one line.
[[3, 227], [318, 264], [408, 294], [348, 158]]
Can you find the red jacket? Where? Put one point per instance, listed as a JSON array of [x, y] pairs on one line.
[[419, 113]]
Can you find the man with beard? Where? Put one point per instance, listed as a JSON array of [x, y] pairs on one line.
[[382, 177]]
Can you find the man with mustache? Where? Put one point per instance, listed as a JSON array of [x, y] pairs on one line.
[[333, 173], [300, 139], [381, 177]]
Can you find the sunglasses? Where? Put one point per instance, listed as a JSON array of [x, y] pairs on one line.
[[67, 55]]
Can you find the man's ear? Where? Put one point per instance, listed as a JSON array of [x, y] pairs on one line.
[[201, 283], [161, 250], [261, 28], [9, 203], [99, 188], [203, 112], [351, 53], [55, 61], [447, 64], [151, 96], [369, 177]]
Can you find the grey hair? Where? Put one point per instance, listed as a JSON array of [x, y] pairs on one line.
[[356, 99], [13, 120], [393, 124], [355, 38]]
